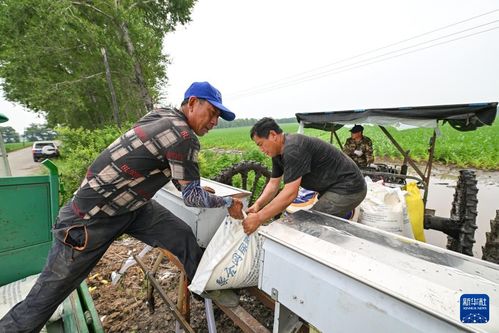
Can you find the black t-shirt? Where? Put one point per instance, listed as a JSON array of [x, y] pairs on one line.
[[322, 166]]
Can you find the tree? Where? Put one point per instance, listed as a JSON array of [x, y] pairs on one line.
[[37, 132], [51, 59], [9, 134]]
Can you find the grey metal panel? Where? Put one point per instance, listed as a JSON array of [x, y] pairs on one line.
[[346, 276], [334, 302], [204, 222]]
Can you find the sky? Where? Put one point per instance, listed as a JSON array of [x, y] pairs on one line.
[[279, 57], [19, 117]]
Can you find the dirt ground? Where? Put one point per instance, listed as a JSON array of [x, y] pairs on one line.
[[122, 308], [489, 177]]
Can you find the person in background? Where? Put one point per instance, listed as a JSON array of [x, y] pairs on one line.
[[359, 147], [115, 198], [304, 161]]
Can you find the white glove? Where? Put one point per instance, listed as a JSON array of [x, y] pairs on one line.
[[358, 152]]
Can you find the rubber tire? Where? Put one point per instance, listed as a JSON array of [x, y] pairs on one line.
[[491, 249], [464, 212], [243, 170]]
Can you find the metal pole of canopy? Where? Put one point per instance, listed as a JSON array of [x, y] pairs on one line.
[[301, 128], [409, 159], [337, 139], [431, 152]]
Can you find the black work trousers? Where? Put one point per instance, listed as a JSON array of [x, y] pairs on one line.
[[79, 245]]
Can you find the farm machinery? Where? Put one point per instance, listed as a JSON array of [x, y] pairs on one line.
[[460, 227], [322, 273], [319, 270]]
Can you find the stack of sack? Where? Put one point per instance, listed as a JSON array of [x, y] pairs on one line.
[[393, 209]]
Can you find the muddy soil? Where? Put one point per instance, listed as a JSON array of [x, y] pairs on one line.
[[442, 188], [122, 308]]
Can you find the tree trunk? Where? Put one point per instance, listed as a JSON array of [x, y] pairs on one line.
[[139, 77], [100, 117], [111, 89]]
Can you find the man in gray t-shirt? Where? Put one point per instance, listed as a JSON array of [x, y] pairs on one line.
[[307, 162]]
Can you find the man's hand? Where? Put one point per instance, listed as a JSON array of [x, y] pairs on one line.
[[251, 223], [253, 209], [209, 189], [358, 152], [236, 210]]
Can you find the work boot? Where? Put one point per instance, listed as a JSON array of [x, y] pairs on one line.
[[224, 297]]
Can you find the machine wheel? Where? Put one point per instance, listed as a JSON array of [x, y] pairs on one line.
[[491, 249], [247, 175], [464, 212]]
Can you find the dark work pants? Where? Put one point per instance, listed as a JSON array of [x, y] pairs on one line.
[[339, 204], [67, 267]]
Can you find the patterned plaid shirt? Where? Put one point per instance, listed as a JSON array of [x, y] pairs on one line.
[[159, 147]]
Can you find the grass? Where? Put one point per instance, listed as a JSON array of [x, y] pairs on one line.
[[222, 148], [477, 149], [16, 146]]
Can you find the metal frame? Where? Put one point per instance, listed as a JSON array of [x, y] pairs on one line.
[[243, 319], [446, 225], [425, 175], [182, 318], [347, 277]]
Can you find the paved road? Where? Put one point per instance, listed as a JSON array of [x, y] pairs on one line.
[[21, 163]]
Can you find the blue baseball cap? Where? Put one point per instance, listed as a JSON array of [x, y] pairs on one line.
[[208, 92]]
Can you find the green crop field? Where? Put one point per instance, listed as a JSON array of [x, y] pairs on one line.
[[222, 148], [477, 149], [16, 146]]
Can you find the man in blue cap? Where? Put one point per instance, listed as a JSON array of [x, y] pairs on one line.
[[115, 198]]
